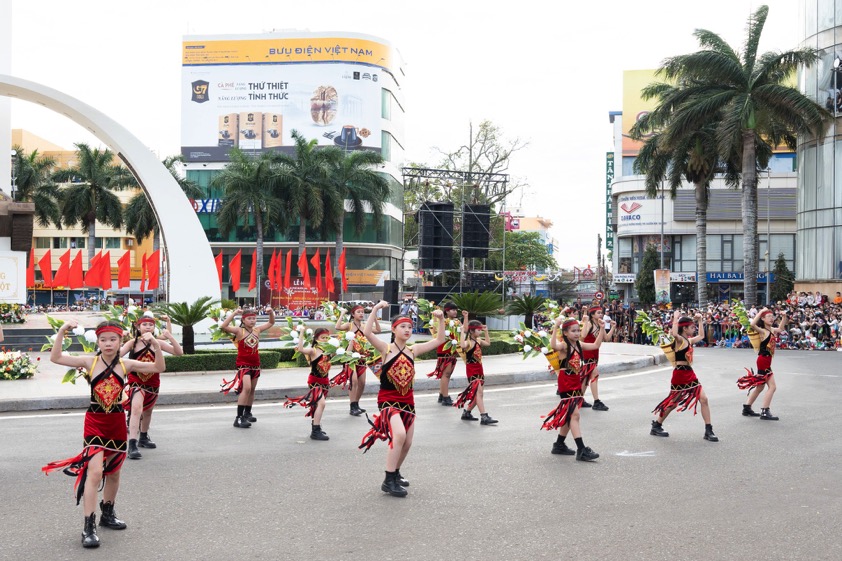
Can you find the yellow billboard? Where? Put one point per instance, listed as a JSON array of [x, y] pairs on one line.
[[634, 107]]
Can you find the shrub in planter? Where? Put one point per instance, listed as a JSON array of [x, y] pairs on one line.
[[209, 361], [496, 348]]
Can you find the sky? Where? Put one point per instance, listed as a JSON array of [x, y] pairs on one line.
[[545, 72]]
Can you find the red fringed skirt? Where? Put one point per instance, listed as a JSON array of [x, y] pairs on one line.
[[342, 379], [381, 425], [318, 390], [476, 379], [588, 367], [236, 383], [149, 393], [443, 362], [561, 415], [752, 380], [104, 432], [685, 391]]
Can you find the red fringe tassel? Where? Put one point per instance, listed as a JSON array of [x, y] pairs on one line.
[[680, 400], [381, 428], [752, 380], [77, 466], [235, 384], [343, 378], [469, 395], [441, 364], [309, 400], [561, 415]]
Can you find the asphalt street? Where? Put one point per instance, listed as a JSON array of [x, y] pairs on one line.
[[768, 490]]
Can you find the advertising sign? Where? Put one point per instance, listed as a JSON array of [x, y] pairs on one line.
[[662, 286], [297, 296], [636, 213], [229, 100], [13, 277], [609, 178]]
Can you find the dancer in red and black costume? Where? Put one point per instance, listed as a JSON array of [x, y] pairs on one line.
[[763, 323], [105, 423], [592, 325], [143, 387], [356, 377], [472, 343], [247, 339], [395, 422], [565, 417], [446, 359], [685, 389], [318, 382]]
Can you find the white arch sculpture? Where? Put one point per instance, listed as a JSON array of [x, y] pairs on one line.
[[192, 271]]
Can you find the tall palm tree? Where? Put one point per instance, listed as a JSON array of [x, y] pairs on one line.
[[748, 96], [362, 188], [187, 315], [305, 183], [33, 184], [90, 197], [141, 221], [250, 186]]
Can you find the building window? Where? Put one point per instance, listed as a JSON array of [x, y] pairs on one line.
[[386, 104], [386, 146], [43, 243], [59, 243], [112, 243]]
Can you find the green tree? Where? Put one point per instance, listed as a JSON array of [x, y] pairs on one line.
[[526, 306], [524, 250], [141, 221], [748, 96], [90, 197], [33, 184], [251, 188], [187, 315], [478, 303], [784, 280], [645, 282]]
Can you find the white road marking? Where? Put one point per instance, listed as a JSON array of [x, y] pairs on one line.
[[627, 454]]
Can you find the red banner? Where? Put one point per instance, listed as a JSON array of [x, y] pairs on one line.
[[298, 296]]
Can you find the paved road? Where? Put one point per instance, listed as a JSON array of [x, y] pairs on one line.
[[768, 490]]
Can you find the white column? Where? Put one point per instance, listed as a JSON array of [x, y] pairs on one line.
[[5, 102]]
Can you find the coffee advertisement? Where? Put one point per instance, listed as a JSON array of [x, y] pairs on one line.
[[273, 128], [251, 130], [229, 132]]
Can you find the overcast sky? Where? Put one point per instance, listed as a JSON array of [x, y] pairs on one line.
[[545, 72]]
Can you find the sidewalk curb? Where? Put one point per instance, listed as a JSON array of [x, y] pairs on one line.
[[422, 383]]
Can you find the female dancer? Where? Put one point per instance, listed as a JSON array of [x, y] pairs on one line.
[[765, 376], [685, 389], [592, 325], [357, 377], [143, 388], [473, 394], [105, 422], [565, 417], [446, 362], [317, 381], [396, 402], [247, 339]]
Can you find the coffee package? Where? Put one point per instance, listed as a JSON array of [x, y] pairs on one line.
[[251, 130]]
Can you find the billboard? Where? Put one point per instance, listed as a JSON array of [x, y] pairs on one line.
[[229, 100]]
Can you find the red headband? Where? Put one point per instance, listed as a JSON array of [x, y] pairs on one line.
[[249, 313], [145, 319], [355, 308], [765, 313], [109, 329], [399, 321], [594, 309], [568, 323], [685, 321]]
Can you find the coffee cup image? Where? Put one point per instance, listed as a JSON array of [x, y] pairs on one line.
[[273, 133], [348, 138], [248, 134], [224, 134]]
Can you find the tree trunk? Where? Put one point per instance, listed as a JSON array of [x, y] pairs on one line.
[[340, 243], [258, 220], [302, 236], [91, 241], [749, 201], [527, 320], [701, 244], [156, 240], [188, 340]]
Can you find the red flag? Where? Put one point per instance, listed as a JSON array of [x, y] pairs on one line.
[[329, 284], [315, 261], [30, 269], [271, 272], [303, 269], [218, 260], [341, 266], [63, 270], [143, 273], [76, 277], [279, 271], [93, 278], [124, 270], [153, 269], [288, 267], [46, 266], [105, 279], [234, 270], [253, 272]]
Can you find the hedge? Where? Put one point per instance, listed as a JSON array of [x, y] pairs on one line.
[[206, 361], [496, 348]]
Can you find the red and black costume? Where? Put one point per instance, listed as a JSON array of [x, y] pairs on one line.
[[476, 377], [590, 359], [764, 365], [445, 359], [685, 388], [148, 384], [105, 428], [319, 385], [395, 398], [344, 377], [248, 363], [569, 389]]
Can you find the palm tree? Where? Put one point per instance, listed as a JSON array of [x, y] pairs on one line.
[[748, 97], [34, 185], [251, 187], [141, 221], [305, 183], [90, 197], [187, 315], [527, 306], [478, 303]]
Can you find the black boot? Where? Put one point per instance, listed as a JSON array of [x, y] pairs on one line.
[[446, 401], [390, 485], [487, 420], [241, 423], [134, 453], [248, 415], [766, 415], [466, 416], [658, 429], [749, 412], [709, 434], [109, 517], [562, 449], [586, 404], [440, 397], [144, 441], [318, 434], [89, 537], [599, 406], [399, 478], [586, 454], [355, 409]]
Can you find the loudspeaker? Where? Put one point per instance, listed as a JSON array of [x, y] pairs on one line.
[[435, 226], [390, 291], [475, 231], [438, 293]]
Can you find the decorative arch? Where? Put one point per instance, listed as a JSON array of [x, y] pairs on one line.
[[192, 271]]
